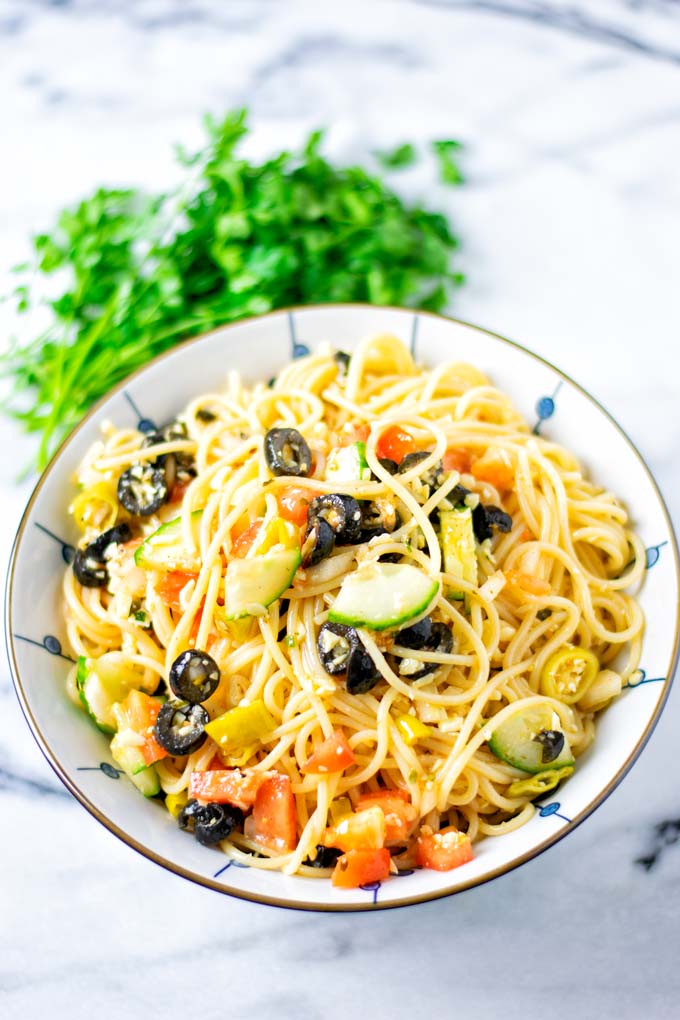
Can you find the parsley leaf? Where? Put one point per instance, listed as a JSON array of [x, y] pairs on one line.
[[138, 272]]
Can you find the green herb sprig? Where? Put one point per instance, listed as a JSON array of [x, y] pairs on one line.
[[238, 238]]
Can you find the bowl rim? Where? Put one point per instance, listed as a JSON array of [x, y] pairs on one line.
[[339, 907]]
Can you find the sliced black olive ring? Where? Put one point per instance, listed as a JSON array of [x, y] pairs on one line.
[[143, 489], [378, 517], [343, 513], [335, 644], [194, 676], [341, 651], [180, 727], [484, 518], [211, 822], [89, 564], [286, 452], [553, 742], [326, 857], [439, 641], [318, 543], [362, 674], [418, 635], [342, 360]]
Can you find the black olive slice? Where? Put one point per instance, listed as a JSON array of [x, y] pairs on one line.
[[180, 727], [389, 465], [343, 513], [286, 452], [411, 459], [143, 488], [440, 640], [194, 676], [318, 543], [378, 517], [362, 675], [342, 360], [484, 518], [326, 857], [553, 742], [335, 644], [211, 822], [418, 635], [89, 564]]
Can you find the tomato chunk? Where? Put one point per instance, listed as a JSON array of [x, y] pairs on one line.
[[361, 867], [394, 444], [140, 711], [456, 459], [245, 539], [294, 503], [397, 808], [274, 816], [227, 786], [494, 470], [444, 850], [333, 755], [170, 586], [365, 830]]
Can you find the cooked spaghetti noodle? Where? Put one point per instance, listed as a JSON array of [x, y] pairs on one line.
[[548, 587]]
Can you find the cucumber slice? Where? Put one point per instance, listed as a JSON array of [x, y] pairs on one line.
[[348, 464], [458, 547], [250, 585], [129, 758], [100, 689], [164, 550], [514, 741], [383, 595]]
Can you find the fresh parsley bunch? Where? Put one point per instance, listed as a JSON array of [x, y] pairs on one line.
[[236, 239]]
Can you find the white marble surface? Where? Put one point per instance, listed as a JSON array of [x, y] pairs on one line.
[[571, 117]]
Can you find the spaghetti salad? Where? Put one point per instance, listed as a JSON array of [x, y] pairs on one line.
[[350, 622]]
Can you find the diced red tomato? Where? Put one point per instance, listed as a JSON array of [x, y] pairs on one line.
[[274, 816], [141, 711], [394, 444], [365, 830], [397, 808], [333, 755], [246, 538], [443, 850], [294, 503], [361, 867], [494, 470], [227, 786], [178, 490], [360, 434], [457, 459], [171, 584]]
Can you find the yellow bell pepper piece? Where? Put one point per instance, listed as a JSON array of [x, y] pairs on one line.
[[542, 782], [96, 506], [241, 726], [412, 729], [339, 809], [568, 674], [174, 802]]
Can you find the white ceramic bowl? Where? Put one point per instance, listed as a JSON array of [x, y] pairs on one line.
[[258, 348]]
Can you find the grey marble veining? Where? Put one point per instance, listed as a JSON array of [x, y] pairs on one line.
[[570, 114]]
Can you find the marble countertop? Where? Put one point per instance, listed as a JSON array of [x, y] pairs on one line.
[[571, 118]]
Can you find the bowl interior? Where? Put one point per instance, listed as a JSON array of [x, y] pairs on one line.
[[258, 348]]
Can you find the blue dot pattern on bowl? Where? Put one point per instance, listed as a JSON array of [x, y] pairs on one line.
[[297, 349]]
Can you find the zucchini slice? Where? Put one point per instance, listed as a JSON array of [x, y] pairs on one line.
[[129, 758], [252, 584], [164, 550], [99, 692], [458, 547], [348, 464], [380, 596], [517, 741]]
